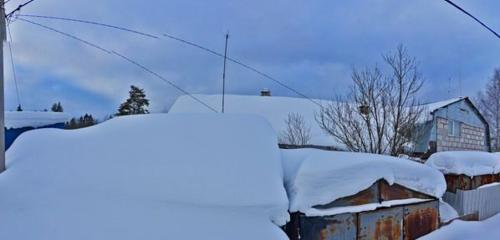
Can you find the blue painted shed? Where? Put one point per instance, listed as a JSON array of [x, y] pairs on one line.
[[18, 122]]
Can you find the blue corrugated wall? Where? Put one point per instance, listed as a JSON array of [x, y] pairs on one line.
[[13, 133]]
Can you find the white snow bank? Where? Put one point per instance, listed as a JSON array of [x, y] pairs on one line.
[[165, 176], [470, 163], [274, 109], [316, 177], [446, 212], [14, 119], [461, 230]]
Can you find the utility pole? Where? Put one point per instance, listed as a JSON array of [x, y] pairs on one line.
[[223, 73], [2, 113]]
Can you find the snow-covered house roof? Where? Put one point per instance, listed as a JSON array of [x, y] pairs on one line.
[[315, 177], [432, 107], [156, 176], [274, 109], [470, 163], [20, 119]]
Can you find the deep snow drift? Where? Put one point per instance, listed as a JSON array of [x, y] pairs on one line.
[[470, 163], [315, 177], [273, 109], [165, 176]]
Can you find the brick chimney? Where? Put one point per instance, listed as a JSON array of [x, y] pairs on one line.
[[265, 92]]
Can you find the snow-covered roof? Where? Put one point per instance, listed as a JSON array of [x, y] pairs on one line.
[[470, 163], [15, 119], [316, 177], [432, 107], [155, 176], [274, 109]]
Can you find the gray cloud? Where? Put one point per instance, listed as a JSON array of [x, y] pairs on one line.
[[310, 45]]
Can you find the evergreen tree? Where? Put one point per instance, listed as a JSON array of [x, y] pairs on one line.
[[136, 103], [57, 107], [86, 120], [72, 124]]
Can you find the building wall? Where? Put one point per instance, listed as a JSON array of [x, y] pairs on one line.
[[471, 137], [473, 129]]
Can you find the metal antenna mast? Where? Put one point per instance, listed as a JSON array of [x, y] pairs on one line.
[[224, 73]]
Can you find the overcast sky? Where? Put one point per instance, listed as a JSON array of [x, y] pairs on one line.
[[310, 45]]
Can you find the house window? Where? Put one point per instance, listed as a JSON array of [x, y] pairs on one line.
[[453, 128]]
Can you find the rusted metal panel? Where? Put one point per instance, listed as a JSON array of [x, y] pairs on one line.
[[381, 224], [457, 182], [395, 192], [420, 219], [370, 195], [481, 180], [337, 227], [463, 182]]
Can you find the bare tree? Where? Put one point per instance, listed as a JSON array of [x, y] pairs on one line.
[[297, 132], [381, 113], [489, 105]]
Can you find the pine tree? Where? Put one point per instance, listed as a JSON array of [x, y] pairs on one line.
[[57, 107], [86, 120], [136, 103], [72, 124]]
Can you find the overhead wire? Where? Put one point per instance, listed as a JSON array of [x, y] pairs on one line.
[[472, 16], [13, 66], [178, 39], [123, 57], [19, 7], [91, 22]]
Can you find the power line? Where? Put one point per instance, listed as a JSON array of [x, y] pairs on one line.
[[470, 15], [164, 79], [190, 43], [255, 70], [18, 9], [67, 35], [13, 66], [91, 22], [129, 60]]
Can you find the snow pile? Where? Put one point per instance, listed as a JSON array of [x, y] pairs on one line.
[[485, 230], [33, 119], [470, 163], [446, 212], [315, 177], [165, 176], [274, 109]]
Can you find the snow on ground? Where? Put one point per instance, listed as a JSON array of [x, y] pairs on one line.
[[446, 212], [470, 163], [15, 119], [274, 109], [316, 177], [461, 230], [164, 176]]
